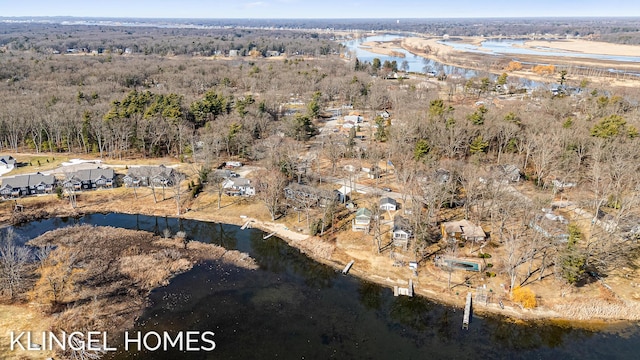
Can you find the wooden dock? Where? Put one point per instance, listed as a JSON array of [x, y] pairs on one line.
[[404, 291], [348, 267], [246, 225], [467, 313], [268, 236]]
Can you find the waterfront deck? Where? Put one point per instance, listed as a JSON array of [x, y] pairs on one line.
[[467, 313], [346, 269], [408, 291]]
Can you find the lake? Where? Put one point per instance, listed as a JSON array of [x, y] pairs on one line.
[[295, 308]]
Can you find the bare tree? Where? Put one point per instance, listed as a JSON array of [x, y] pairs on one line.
[[215, 182], [176, 187], [14, 261], [270, 186]]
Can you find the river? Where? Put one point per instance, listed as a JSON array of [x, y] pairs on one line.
[[512, 47], [516, 47], [416, 63], [295, 308]]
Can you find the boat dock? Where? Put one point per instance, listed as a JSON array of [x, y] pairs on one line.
[[467, 313], [268, 236], [348, 267], [246, 225], [404, 291]]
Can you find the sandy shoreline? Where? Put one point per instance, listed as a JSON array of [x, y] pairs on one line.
[[430, 48]]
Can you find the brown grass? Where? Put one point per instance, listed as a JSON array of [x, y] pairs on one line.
[[106, 274], [588, 309], [21, 318]]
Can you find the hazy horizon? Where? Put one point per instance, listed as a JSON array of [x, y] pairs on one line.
[[328, 9]]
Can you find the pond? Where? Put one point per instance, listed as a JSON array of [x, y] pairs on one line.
[[295, 308]]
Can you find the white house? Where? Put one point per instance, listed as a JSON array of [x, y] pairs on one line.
[[239, 186], [356, 119], [388, 204], [7, 162]]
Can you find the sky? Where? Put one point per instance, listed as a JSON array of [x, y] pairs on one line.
[[397, 9]]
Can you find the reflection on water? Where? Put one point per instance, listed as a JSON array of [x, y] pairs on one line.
[[294, 308]]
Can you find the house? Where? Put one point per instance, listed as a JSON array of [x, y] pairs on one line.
[[401, 231], [559, 185], [372, 172], [232, 164], [354, 119], [7, 162], [234, 53], [462, 230], [362, 220], [384, 114], [239, 186], [272, 53], [87, 179], [27, 185], [156, 176], [225, 174], [310, 195], [550, 225], [388, 204], [440, 176]]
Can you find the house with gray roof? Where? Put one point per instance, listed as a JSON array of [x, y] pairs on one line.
[[239, 186], [88, 179], [401, 231], [388, 204], [29, 184], [156, 176]]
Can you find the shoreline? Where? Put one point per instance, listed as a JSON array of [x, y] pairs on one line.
[[302, 243], [337, 251], [429, 48]]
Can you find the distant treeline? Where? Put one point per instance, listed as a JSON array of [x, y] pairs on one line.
[[617, 30], [56, 38]]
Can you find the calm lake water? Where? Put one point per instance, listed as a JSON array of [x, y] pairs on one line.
[[295, 308]]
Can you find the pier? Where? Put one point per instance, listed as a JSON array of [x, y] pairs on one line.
[[397, 291], [246, 225], [268, 236], [348, 267], [467, 313]]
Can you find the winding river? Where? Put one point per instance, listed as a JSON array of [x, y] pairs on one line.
[[491, 47], [296, 308], [415, 63]]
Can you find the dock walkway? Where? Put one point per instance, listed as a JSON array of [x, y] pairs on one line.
[[467, 313]]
